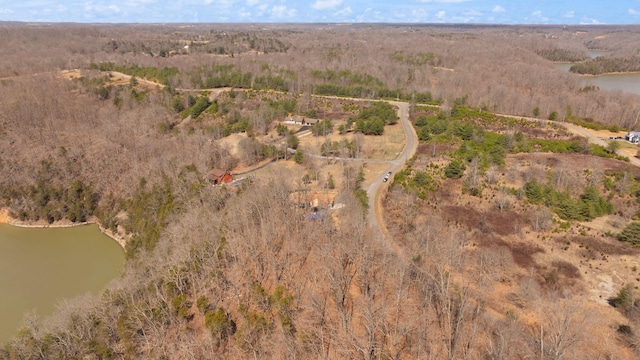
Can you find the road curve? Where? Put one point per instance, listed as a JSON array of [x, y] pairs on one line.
[[374, 191], [580, 131]]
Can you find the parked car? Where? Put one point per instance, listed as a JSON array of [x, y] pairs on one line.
[[386, 177]]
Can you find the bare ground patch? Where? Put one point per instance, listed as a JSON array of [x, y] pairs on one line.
[[501, 223]]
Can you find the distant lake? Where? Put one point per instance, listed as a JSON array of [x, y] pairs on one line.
[[40, 266], [595, 54], [629, 83]]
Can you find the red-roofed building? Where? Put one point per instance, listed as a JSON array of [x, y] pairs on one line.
[[219, 176]]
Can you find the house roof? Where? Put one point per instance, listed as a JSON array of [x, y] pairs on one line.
[[217, 173]]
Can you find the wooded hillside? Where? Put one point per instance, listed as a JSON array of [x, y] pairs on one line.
[[493, 248]]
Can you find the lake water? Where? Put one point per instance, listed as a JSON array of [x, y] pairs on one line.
[[595, 54], [40, 266], [629, 83], [625, 82]]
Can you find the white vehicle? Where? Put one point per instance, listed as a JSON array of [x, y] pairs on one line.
[[386, 177]]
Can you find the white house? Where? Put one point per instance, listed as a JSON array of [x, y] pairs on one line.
[[295, 120], [633, 137]]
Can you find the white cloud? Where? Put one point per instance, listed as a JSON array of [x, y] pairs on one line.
[[283, 12], [326, 4], [114, 8], [441, 14], [569, 14], [6, 11], [243, 13], [498, 9], [419, 14], [589, 21], [538, 16], [471, 13], [253, 2], [344, 12], [634, 12]]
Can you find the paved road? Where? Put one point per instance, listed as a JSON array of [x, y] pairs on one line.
[[582, 132], [374, 190], [596, 140]]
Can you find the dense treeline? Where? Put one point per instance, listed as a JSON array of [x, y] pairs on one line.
[[561, 55], [150, 73], [604, 65], [371, 121]]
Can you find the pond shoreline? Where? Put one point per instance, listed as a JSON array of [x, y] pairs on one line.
[[5, 218]]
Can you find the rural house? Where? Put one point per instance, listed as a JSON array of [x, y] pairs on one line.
[[633, 137], [295, 120], [299, 120], [219, 176]]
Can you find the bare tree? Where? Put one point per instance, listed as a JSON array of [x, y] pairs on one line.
[[561, 329]]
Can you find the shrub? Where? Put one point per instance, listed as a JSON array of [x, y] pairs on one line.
[[292, 140], [455, 169], [219, 323], [422, 120], [298, 157], [202, 303], [180, 306], [423, 134], [625, 299], [330, 182], [362, 197], [323, 127], [631, 234]]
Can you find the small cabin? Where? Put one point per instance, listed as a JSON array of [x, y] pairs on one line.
[[219, 176]]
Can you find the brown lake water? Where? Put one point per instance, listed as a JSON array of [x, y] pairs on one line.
[[40, 266]]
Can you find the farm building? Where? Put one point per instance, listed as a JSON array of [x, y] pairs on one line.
[[219, 176], [633, 137]]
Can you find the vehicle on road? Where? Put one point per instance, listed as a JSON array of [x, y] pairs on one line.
[[386, 177]]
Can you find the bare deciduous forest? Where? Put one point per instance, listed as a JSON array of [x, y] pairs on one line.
[[502, 232]]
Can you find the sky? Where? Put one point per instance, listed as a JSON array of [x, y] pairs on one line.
[[346, 11]]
